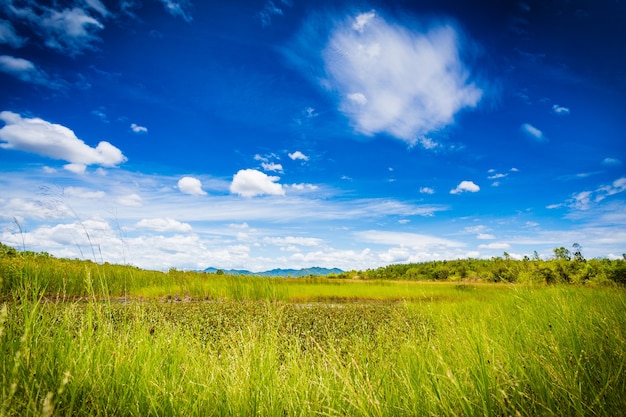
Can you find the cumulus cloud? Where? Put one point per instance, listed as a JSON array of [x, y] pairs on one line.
[[465, 186], [191, 186], [24, 70], [427, 190], [250, 183], [397, 80], [138, 129], [298, 155], [533, 133], [164, 225], [55, 141]]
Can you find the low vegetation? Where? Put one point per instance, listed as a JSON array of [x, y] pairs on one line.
[[79, 338]]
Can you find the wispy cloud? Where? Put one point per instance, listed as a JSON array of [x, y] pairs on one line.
[[589, 199], [533, 133], [271, 9], [495, 245], [178, 8], [164, 225], [413, 241], [611, 162], [465, 186], [396, 80], [427, 190], [560, 109], [26, 71], [69, 30], [55, 141], [293, 240], [9, 36], [82, 192], [251, 183]]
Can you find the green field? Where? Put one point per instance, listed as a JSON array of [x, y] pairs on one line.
[[77, 338]]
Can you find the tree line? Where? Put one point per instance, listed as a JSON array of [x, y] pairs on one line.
[[565, 266]]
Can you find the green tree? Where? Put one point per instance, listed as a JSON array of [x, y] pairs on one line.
[[562, 254], [578, 252]]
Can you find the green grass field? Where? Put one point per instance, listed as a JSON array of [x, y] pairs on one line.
[[72, 344]]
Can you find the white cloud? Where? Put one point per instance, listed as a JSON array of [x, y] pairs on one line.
[[191, 186], [501, 246], [476, 229], [272, 166], [427, 190], [362, 20], [587, 200], [298, 155], [485, 236], [310, 112], [396, 80], [465, 186], [9, 36], [24, 70], [559, 109], [130, 200], [534, 133], [427, 143], [178, 8], [98, 7], [82, 192], [292, 240], [358, 98], [250, 183], [164, 225], [138, 129], [611, 162], [616, 187], [414, 241], [70, 30], [303, 187], [55, 141], [270, 8], [100, 114]]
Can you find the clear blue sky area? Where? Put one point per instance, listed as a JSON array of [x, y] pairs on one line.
[[288, 134]]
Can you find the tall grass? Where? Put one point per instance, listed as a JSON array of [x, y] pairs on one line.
[[491, 351]]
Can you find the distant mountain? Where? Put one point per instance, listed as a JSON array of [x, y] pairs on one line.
[[305, 272]]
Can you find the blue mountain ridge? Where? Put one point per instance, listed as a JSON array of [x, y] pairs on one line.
[[304, 272]]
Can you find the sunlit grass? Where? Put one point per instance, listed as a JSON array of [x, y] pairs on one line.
[[77, 338], [485, 350]]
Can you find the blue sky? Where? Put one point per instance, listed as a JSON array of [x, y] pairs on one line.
[[265, 134]]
